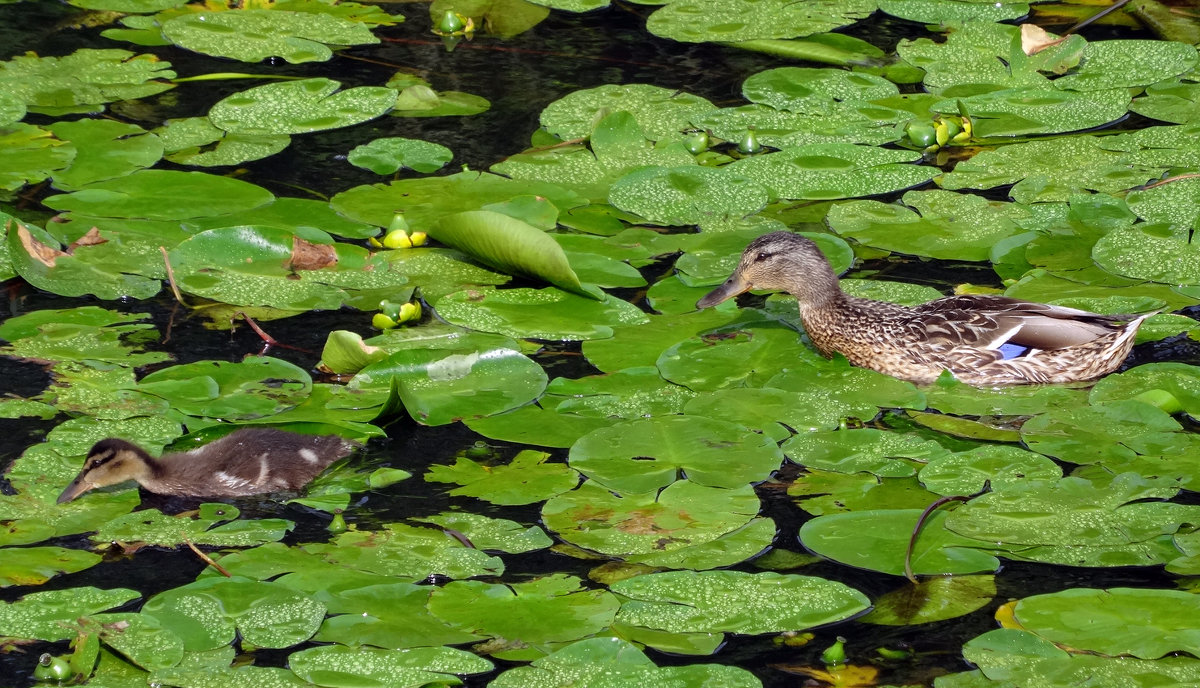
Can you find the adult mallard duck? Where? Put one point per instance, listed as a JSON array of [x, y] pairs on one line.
[[982, 340], [246, 462]]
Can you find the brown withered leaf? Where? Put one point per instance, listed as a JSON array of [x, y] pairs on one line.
[[43, 253], [310, 256], [92, 238], [1034, 39]]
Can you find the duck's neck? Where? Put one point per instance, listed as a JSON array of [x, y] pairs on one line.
[[818, 290]]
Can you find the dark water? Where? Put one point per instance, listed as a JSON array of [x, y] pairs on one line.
[[519, 77]]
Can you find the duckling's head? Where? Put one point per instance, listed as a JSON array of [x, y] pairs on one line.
[[779, 261], [109, 462]]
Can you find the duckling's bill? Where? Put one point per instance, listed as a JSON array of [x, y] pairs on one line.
[[77, 487], [736, 284]]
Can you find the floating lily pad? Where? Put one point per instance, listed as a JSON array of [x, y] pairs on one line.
[[30, 154], [799, 89], [1172, 101], [493, 533], [700, 21], [970, 472], [48, 615], [253, 35], [884, 454], [683, 516], [735, 602], [822, 171], [618, 661], [1180, 380], [662, 113], [1153, 623], [1174, 203], [37, 258], [388, 155], [406, 552], [36, 565], [647, 455], [104, 150], [214, 524], [551, 609], [538, 426], [442, 385], [630, 394], [1108, 432], [934, 599], [1024, 111], [538, 313], [250, 389], [841, 122], [1128, 63], [296, 107], [163, 195], [84, 79], [735, 357], [525, 480], [688, 195], [877, 540], [823, 492], [347, 667], [1150, 252], [383, 614], [936, 11]]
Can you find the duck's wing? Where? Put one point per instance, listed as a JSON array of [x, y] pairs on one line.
[[991, 322]]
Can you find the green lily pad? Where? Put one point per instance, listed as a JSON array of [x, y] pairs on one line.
[[253, 35], [967, 473], [163, 195], [84, 79], [442, 385], [823, 492], [538, 313], [49, 615], [725, 21], [36, 257], [141, 638], [616, 661], [936, 11], [1024, 111], [389, 155], [383, 614], [527, 479], [406, 552], [1109, 432], [36, 565], [683, 516], [190, 141], [687, 195], [214, 524], [798, 89], [296, 107], [735, 357], [1075, 513], [1173, 203], [301, 216], [951, 396], [939, 225], [1150, 252], [1128, 63], [884, 454], [630, 394], [554, 608], [662, 113], [735, 602], [30, 154], [348, 667], [647, 455], [538, 426], [823, 171], [204, 614], [104, 150], [253, 388], [493, 533], [1172, 101], [935, 599], [1153, 622], [1180, 380], [424, 201], [877, 540]]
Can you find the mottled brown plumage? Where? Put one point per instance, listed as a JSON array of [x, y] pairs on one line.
[[246, 462], [961, 334]]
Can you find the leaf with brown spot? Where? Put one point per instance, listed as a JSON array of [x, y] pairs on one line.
[[310, 256], [43, 253], [92, 238]]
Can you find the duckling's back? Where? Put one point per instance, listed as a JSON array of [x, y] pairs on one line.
[[256, 460]]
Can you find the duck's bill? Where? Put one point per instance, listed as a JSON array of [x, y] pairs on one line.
[[733, 286], [76, 488]]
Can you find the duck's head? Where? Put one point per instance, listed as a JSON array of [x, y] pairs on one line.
[[109, 462], [779, 261]]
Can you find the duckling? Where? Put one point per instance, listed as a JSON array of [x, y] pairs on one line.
[[246, 462], [984, 340]]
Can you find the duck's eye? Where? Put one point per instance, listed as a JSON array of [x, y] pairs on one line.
[[762, 255]]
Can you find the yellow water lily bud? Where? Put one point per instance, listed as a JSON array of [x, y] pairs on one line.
[[397, 238], [410, 312], [418, 238], [374, 242], [380, 321]]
